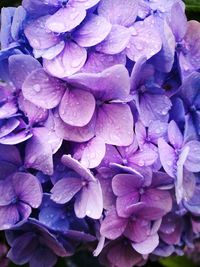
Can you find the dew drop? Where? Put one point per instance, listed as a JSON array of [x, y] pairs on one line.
[[36, 88]]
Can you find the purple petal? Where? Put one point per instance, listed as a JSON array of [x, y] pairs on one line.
[[65, 19], [93, 31], [118, 12], [65, 189], [116, 41], [43, 90], [192, 162], [43, 257], [167, 157], [127, 204], [164, 59], [149, 113], [138, 230], [144, 157], [90, 201], [23, 248], [6, 191], [192, 40], [77, 107], [34, 113], [124, 184], [10, 154], [38, 36], [8, 216], [156, 130], [97, 62], [86, 3], [159, 203], [178, 21], [20, 66], [139, 44], [115, 124], [122, 254], [38, 153], [8, 126], [76, 166], [175, 136], [16, 138], [27, 188], [113, 226], [71, 133], [68, 62], [111, 84], [93, 153], [147, 246]]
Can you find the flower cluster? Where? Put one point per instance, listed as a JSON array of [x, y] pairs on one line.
[[99, 130]]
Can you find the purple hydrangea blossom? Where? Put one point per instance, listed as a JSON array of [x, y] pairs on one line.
[[99, 130]]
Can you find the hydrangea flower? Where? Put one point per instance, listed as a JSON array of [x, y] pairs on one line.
[[99, 130]]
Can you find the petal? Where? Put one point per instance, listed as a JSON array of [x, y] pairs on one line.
[[65, 189], [17, 22], [156, 130], [15, 138], [76, 166], [6, 23], [93, 31], [20, 66], [8, 126], [97, 62], [164, 59], [65, 19], [139, 44], [115, 124], [113, 226], [192, 162], [34, 113], [138, 230], [118, 12], [71, 133], [38, 36], [69, 61], [147, 246], [144, 157], [122, 254], [127, 204], [178, 21], [175, 136], [10, 154], [77, 107], [159, 203], [43, 257], [192, 39], [90, 201], [86, 3], [38, 152], [167, 157], [27, 188], [113, 83], [93, 153], [7, 192], [9, 216], [43, 90], [116, 41], [149, 113], [124, 184], [179, 188], [23, 248]]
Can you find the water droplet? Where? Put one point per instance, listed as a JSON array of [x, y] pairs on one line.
[[36, 88]]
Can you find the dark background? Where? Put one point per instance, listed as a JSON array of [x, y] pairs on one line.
[[85, 259]]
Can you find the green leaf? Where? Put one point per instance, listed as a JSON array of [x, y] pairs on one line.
[[177, 262]]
